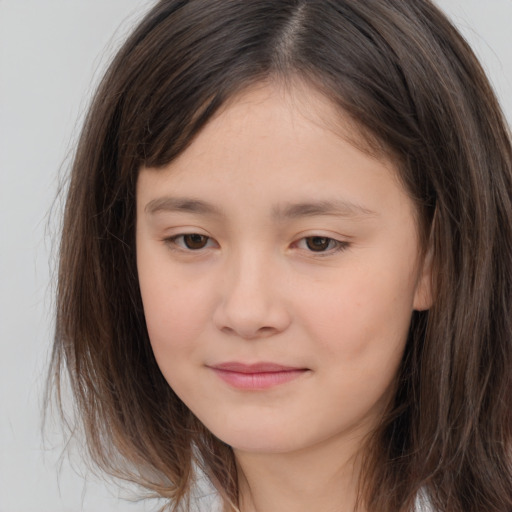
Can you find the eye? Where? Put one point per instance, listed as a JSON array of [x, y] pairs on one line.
[[321, 244], [190, 241]]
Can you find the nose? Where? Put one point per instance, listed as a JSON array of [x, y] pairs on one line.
[[252, 302]]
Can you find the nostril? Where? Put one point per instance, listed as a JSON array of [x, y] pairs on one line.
[[249, 305], [261, 332]]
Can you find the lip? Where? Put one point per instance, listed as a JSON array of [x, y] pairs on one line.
[[256, 376]]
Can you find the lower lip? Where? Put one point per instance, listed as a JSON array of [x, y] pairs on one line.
[[260, 380]]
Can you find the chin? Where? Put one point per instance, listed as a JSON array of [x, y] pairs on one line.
[[255, 438], [262, 445]]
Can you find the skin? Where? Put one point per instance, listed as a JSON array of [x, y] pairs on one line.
[[327, 290]]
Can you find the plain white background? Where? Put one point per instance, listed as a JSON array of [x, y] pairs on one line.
[[51, 56]]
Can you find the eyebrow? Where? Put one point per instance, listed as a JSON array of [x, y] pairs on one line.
[[335, 207], [181, 204]]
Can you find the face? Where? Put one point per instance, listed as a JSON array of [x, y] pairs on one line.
[[279, 267]]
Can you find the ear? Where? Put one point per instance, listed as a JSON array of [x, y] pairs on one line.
[[423, 295]]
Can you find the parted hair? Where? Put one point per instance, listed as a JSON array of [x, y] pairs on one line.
[[410, 82]]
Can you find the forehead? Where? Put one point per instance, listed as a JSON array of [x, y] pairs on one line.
[[272, 148], [272, 109], [312, 101]]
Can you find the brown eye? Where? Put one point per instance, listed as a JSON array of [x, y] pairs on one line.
[[194, 241], [319, 243]]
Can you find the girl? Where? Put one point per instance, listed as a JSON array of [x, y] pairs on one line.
[[286, 261]]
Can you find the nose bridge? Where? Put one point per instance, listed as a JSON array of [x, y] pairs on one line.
[[250, 267], [250, 304]]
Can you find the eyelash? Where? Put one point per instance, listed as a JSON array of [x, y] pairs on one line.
[[173, 243], [178, 242], [333, 245]]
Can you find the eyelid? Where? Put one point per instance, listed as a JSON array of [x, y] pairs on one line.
[[339, 245], [172, 242]]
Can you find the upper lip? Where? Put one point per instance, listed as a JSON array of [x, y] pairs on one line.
[[263, 367]]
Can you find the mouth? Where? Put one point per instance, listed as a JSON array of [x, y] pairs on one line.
[[256, 376]]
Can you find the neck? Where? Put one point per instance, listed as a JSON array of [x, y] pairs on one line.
[[324, 477]]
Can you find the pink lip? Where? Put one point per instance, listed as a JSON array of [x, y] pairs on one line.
[[256, 376]]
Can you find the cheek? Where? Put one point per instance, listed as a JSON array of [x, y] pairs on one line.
[[174, 326], [173, 318], [360, 330], [175, 309], [365, 314]]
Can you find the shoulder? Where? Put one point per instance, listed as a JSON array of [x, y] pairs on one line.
[[210, 502], [204, 497], [207, 503]]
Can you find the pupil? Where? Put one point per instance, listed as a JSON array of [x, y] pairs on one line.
[[195, 241], [318, 243]]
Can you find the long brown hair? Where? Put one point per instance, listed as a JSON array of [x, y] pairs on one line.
[[402, 72]]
